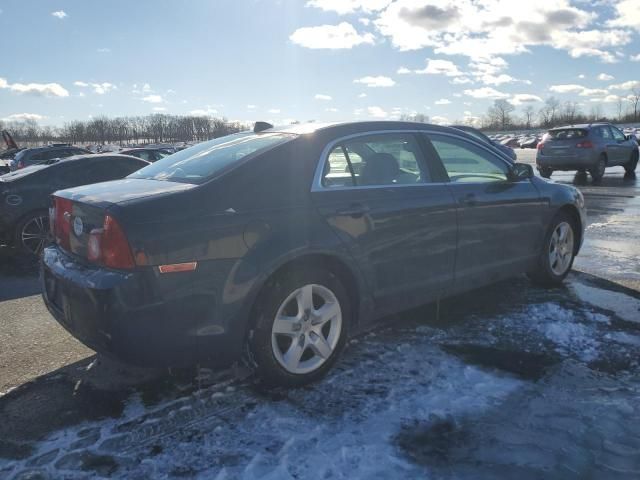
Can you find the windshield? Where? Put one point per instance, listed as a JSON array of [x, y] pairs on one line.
[[203, 161]]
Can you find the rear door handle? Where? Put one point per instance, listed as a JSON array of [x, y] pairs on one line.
[[355, 210], [469, 200]]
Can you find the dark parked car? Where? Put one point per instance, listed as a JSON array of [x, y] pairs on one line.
[[287, 241], [25, 194], [34, 156], [591, 148], [508, 151], [148, 154]]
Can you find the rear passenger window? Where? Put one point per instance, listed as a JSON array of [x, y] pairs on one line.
[[465, 162], [604, 132], [386, 159]]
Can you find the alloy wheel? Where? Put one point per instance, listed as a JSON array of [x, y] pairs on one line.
[[34, 234], [306, 329], [561, 248]]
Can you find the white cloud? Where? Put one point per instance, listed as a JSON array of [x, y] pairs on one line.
[[274, 111], [102, 88], [153, 99], [579, 89], [626, 85], [59, 14], [634, 58], [486, 92], [581, 76], [375, 82], [362, 95], [627, 14], [320, 96], [440, 67], [159, 109], [461, 80], [37, 89], [403, 71], [99, 88], [605, 77], [18, 117], [497, 79], [103, 50], [520, 98], [331, 110], [439, 120], [207, 111], [339, 36], [488, 28], [442, 101], [343, 7], [377, 112], [251, 107]]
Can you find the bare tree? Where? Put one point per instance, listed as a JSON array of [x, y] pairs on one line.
[[528, 116], [500, 113], [634, 99]]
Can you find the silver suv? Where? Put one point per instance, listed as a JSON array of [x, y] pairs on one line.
[[592, 148]]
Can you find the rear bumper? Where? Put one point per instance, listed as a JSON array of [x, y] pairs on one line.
[[131, 316], [577, 161]]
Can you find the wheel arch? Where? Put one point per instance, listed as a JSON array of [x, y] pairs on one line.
[[336, 265], [574, 214], [22, 218]]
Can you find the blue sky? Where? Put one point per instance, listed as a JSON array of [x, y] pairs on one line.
[[312, 59]]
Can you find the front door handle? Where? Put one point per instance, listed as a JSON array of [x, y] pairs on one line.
[[469, 200], [355, 210]]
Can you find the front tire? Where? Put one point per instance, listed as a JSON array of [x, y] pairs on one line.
[[597, 172], [558, 253], [32, 233], [301, 327], [630, 167]]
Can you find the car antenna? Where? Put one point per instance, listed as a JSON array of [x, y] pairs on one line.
[[261, 127]]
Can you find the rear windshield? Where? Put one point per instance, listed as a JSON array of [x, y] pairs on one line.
[[567, 133], [205, 160]]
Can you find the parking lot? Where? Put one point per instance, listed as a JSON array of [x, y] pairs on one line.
[[512, 381]]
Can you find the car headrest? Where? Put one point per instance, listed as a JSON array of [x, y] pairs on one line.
[[380, 169]]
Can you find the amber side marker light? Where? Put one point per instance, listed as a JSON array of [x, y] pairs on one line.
[[178, 267]]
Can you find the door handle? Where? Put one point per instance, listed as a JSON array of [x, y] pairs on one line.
[[355, 210], [469, 200]]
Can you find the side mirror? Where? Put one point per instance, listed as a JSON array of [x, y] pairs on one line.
[[521, 171]]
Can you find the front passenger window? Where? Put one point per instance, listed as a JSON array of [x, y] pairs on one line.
[[465, 162]]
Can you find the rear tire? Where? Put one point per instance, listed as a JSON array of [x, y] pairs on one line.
[[302, 326], [545, 172], [597, 172], [558, 252], [630, 168], [32, 233]]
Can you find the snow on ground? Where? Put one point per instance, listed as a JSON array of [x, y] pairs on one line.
[[540, 389]]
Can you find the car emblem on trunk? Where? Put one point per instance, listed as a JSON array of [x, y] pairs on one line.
[[78, 226]]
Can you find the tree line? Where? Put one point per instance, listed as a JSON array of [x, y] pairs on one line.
[[157, 128], [500, 115]]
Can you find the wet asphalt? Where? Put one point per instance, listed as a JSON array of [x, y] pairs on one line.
[[49, 382]]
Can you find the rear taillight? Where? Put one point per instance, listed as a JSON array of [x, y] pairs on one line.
[[585, 144], [109, 246], [60, 220], [540, 146]]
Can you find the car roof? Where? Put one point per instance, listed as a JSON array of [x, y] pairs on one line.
[[52, 147], [310, 128], [580, 125]]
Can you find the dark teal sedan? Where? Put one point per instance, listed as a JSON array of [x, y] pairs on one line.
[[274, 246]]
